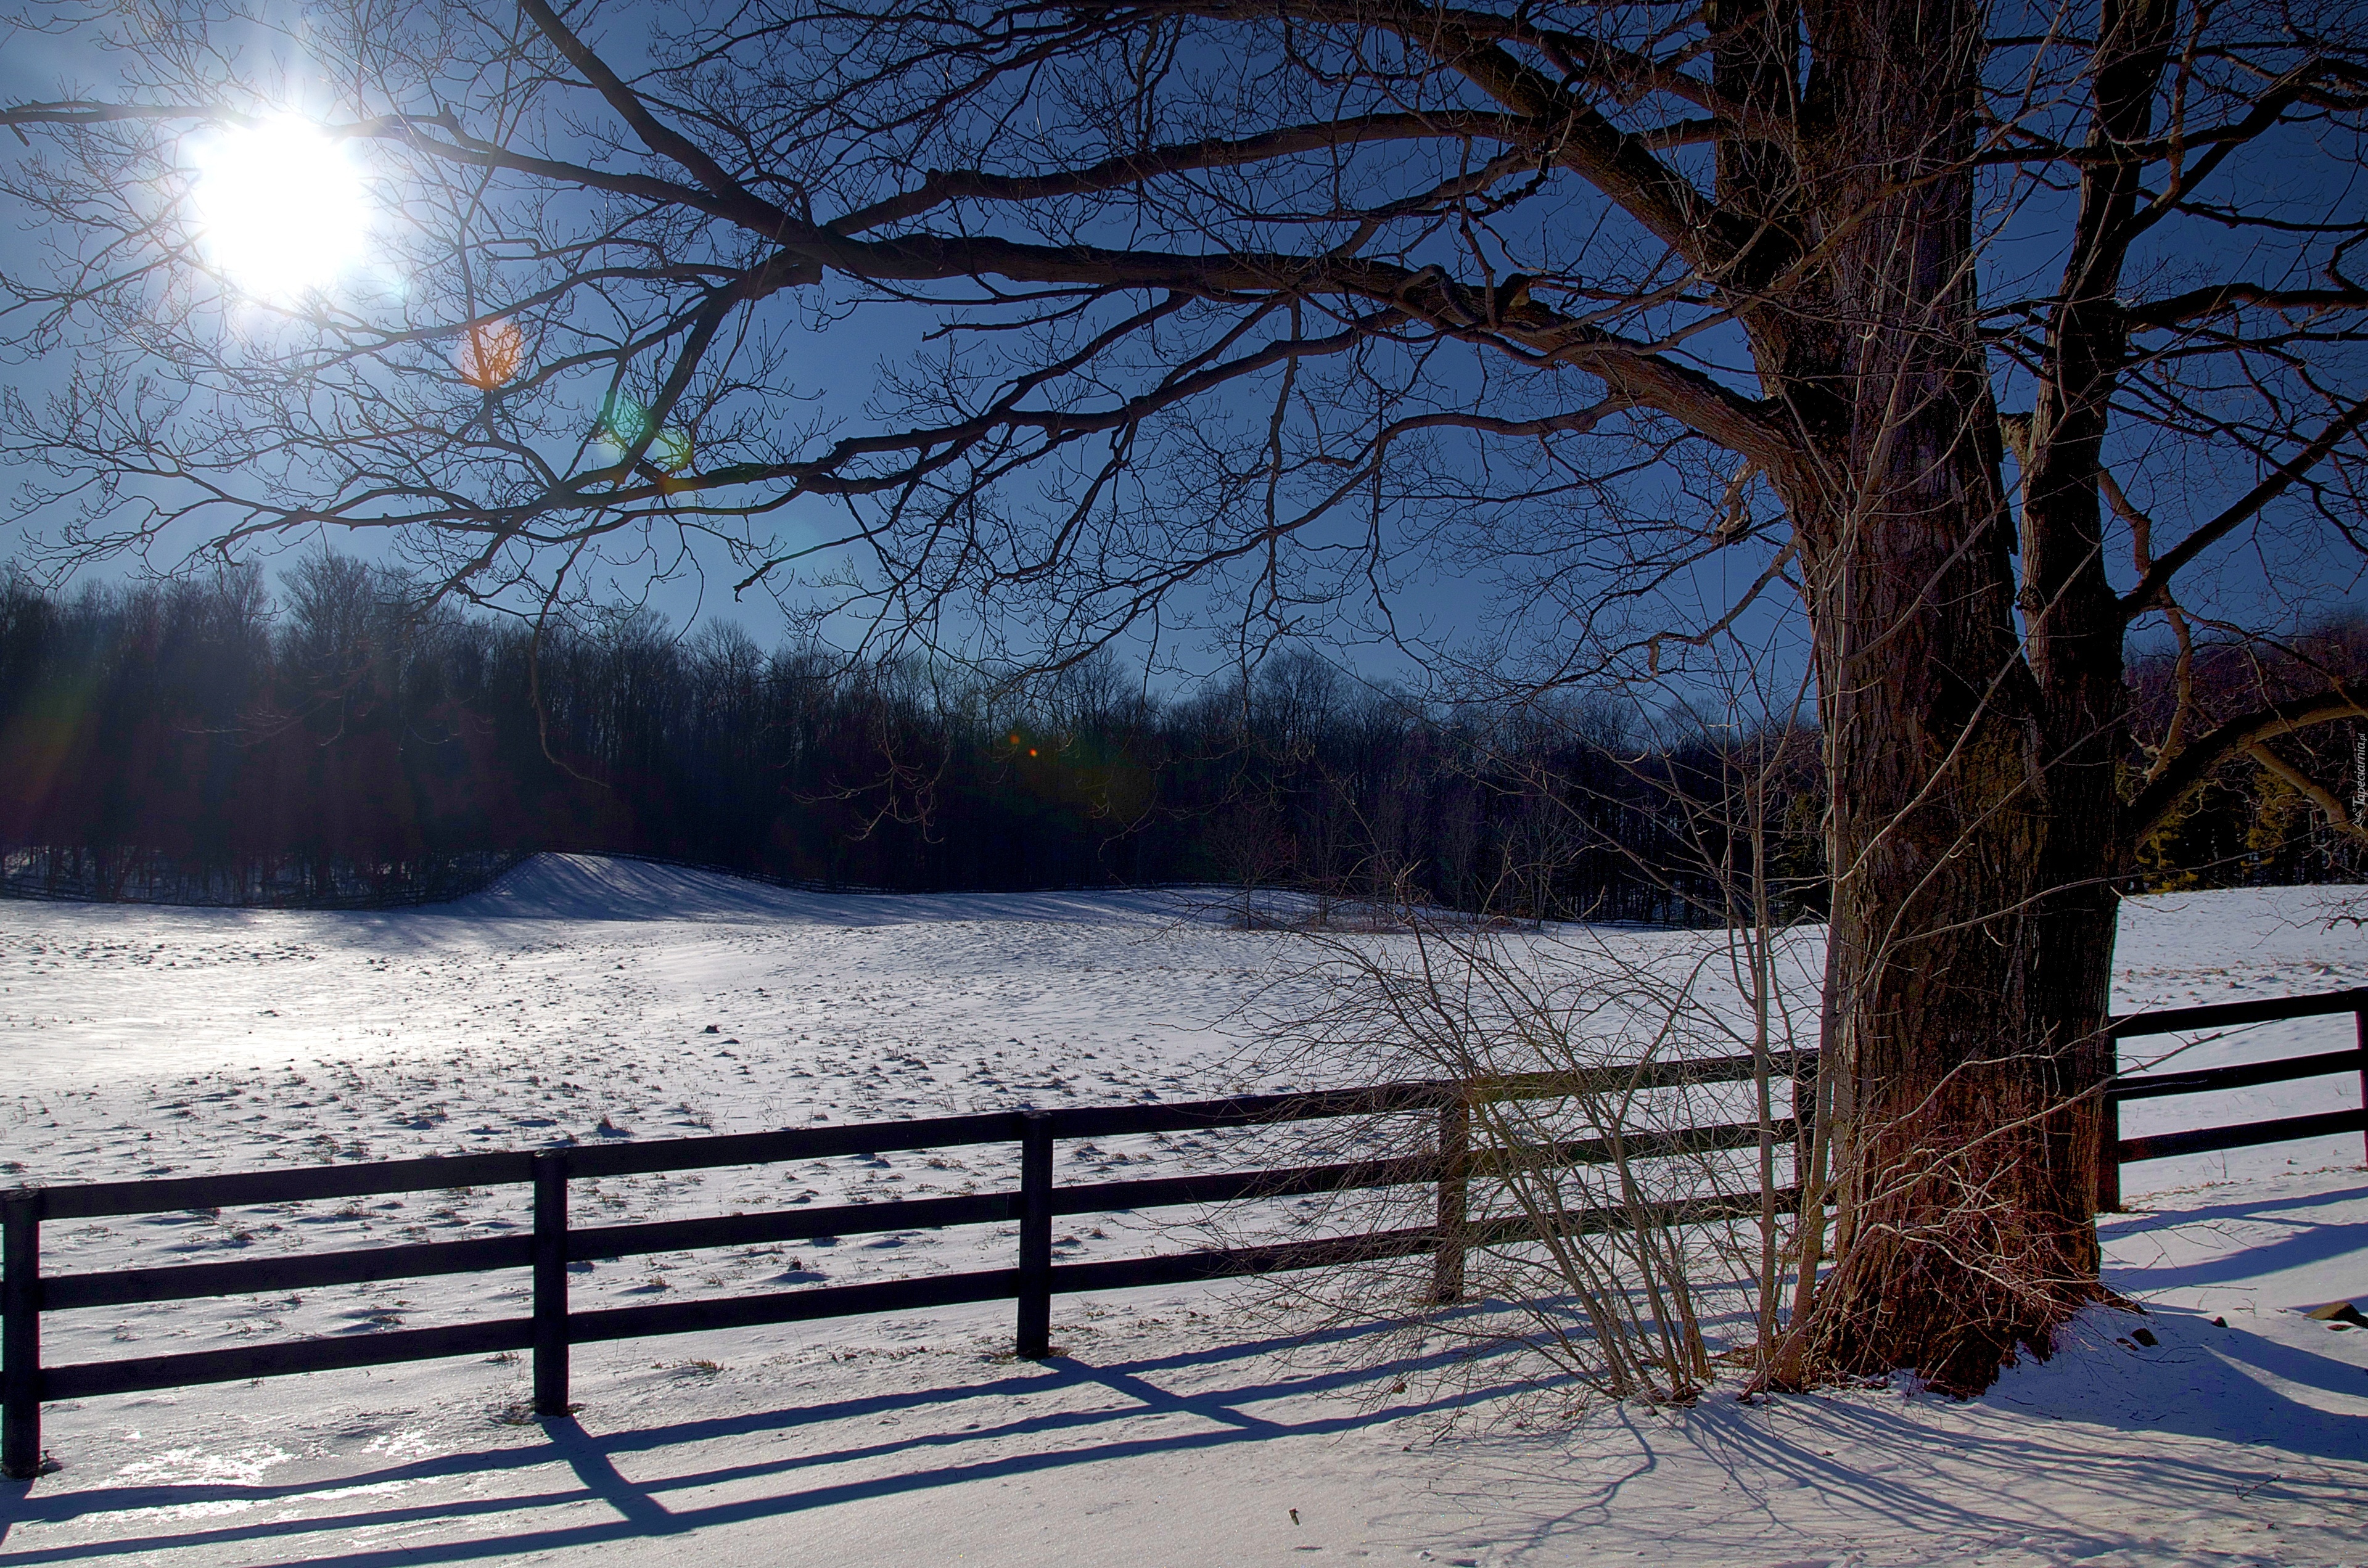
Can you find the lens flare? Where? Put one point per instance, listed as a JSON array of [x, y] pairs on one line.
[[278, 208], [489, 355], [623, 423]]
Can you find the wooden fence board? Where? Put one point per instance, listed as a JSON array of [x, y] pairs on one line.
[[1498, 1160], [89, 1379], [61, 1293], [299, 1184], [2231, 1014], [1229, 1186], [2207, 1140], [794, 1306], [789, 1225], [791, 1144], [2243, 1075]]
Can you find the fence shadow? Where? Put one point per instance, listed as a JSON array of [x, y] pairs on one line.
[[976, 1428], [643, 1486]]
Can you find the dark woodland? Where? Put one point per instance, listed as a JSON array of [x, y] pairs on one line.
[[206, 742]]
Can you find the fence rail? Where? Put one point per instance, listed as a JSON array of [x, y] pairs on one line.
[[2242, 1075], [552, 1327]]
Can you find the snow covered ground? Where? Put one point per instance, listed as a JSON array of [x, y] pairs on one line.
[[1176, 1427], [559, 1005]]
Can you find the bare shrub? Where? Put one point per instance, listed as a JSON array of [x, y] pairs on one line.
[[1606, 1217]]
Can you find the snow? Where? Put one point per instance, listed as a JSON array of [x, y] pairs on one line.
[[1178, 1425]]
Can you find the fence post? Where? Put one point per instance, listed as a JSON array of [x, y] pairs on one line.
[[1035, 1235], [2109, 1151], [551, 1282], [20, 1335], [1454, 1179], [2360, 1033]]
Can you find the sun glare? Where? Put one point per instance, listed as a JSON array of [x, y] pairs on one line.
[[278, 208]]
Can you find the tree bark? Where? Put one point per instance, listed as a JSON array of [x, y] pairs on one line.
[[1971, 830]]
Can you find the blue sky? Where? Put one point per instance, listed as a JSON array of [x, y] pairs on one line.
[[2285, 572]]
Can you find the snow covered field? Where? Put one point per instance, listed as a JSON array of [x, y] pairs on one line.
[[140, 1041], [562, 1005]]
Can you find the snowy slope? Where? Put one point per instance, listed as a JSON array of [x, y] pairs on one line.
[[143, 1040]]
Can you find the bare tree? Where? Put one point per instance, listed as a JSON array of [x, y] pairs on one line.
[[1983, 332], [1620, 1207]]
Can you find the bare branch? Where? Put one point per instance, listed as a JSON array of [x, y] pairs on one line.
[[2188, 771], [2148, 593]]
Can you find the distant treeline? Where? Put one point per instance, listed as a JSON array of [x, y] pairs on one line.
[[206, 742]]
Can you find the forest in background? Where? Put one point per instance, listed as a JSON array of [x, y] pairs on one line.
[[206, 741]]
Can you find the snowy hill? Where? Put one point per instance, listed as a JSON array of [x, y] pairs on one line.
[[601, 887]]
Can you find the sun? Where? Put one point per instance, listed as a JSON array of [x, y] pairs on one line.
[[278, 208]]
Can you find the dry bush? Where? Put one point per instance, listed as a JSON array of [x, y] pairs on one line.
[[1609, 1247]]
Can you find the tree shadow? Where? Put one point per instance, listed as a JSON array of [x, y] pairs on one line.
[[2202, 1380], [1829, 1477], [2310, 1241]]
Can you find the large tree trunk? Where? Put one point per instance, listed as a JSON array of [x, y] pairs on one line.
[[1972, 836]]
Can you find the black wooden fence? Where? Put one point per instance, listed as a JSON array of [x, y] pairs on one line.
[[25, 1294], [2244, 1075]]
